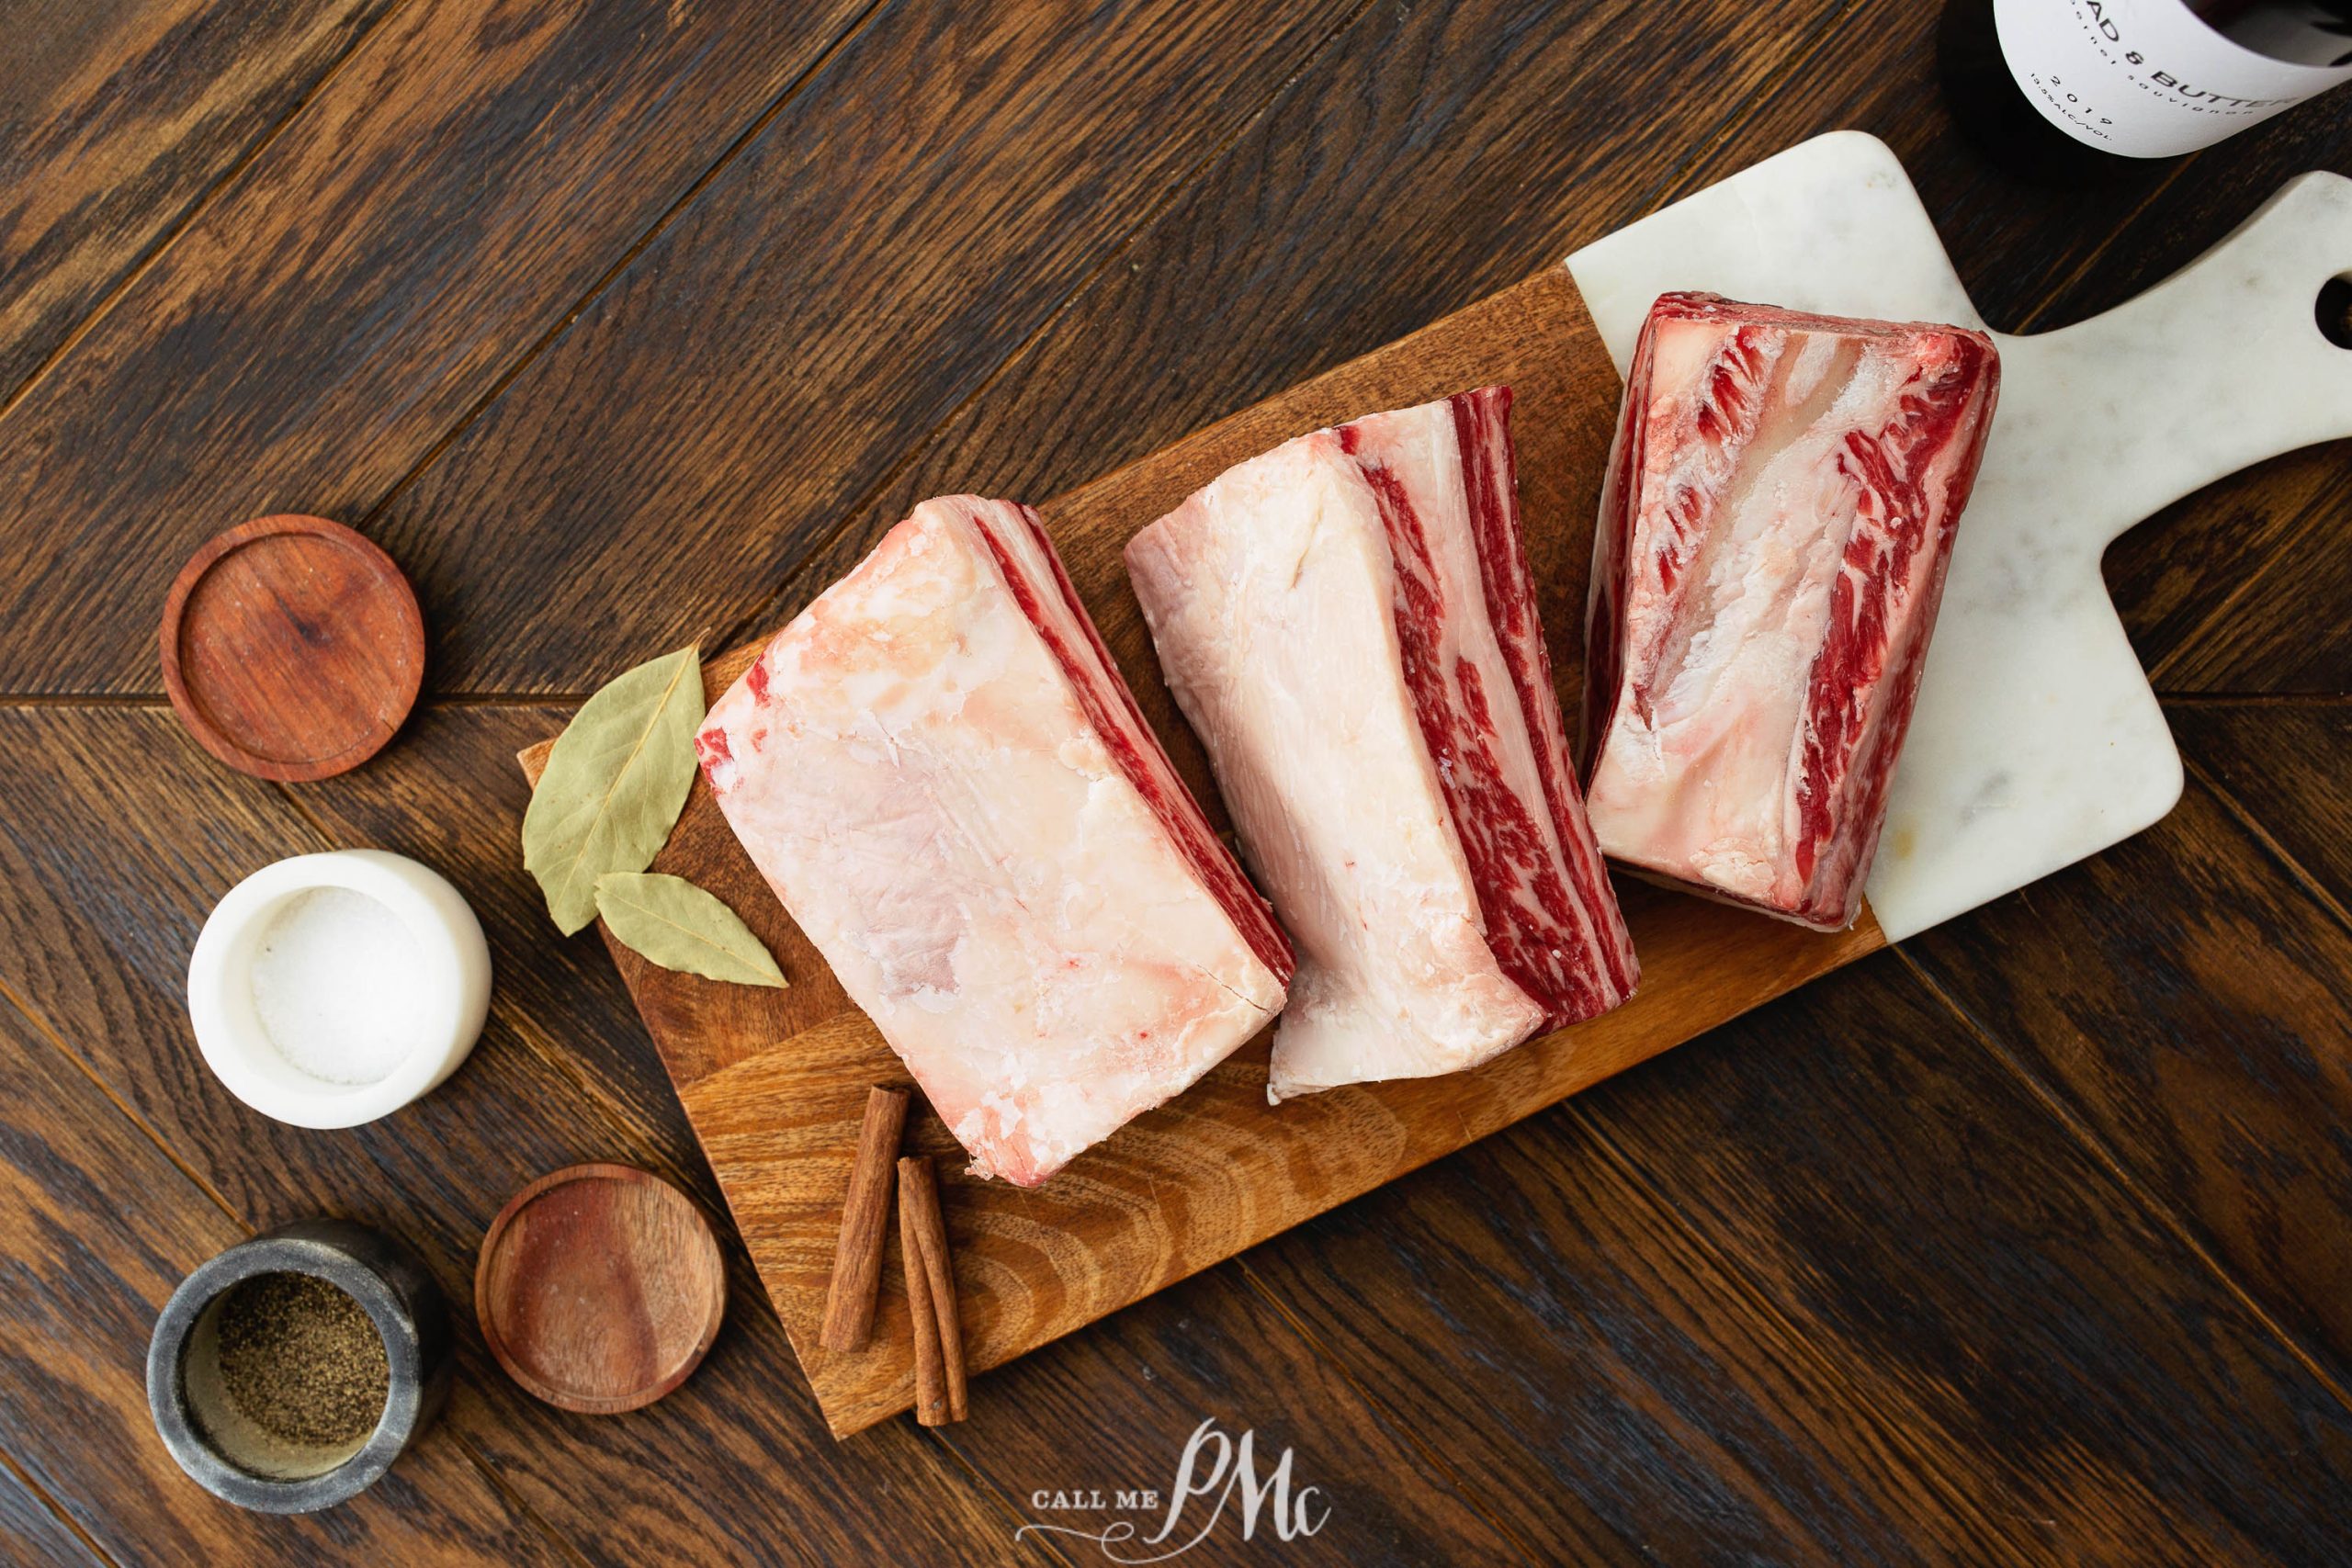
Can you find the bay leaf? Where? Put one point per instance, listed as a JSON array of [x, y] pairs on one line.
[[615, 783], [671, 922]]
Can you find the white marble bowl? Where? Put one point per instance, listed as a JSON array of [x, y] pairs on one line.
[[449, 990]]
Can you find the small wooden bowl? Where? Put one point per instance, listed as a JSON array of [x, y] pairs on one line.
[[292, 647], [600, 1288]]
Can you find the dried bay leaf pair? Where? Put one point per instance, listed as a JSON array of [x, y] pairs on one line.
[[615, 781]]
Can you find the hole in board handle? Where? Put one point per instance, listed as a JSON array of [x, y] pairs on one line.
[[2334, 310]]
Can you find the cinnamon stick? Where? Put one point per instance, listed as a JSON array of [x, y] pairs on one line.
[[932, 1408], [931, 1297], [857, 1256]]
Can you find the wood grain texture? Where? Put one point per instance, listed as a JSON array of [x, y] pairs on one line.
[[115, 117], [2185, 998], [943, 187], [1114, 1407], [100, 907], [2281, 765], [2246, 587], [1634, 1402], [467, 175], [600, 1288], [773, 1081], [2239, 588], [1832, 1286], [292, 647], [30, 1531], [1430, 156], [1865, 1310], [96, 1228]]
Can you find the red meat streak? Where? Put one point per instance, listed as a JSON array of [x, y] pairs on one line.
[[1890, 530], [1500, 839], [1153, 778]]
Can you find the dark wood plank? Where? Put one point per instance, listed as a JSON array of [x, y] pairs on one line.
[[1310, 183], [464, 178], [30, 1532], [1832, 1285], [856, 274], [1431, 155], [1638, 1395], [1339, 167], [115, 119], [2240, 589], [1114, 1408], [1778, 1427], [96, 1228], [2283, 764], [119, 834], [2183, 996]]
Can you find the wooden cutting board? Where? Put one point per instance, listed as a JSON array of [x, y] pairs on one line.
[[775, 1082]]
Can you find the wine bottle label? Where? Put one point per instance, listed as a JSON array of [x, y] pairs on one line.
[[2144, 78]]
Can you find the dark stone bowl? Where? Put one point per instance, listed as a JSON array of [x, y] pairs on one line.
[[238, 1462]]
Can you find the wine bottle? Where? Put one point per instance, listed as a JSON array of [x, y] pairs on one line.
[[2066, 89]]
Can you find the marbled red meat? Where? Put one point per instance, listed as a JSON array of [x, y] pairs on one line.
[[1774, 529], [941, 773], [1350, 624]]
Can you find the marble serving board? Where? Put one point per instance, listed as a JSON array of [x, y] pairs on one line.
[[773, 1081], [2037, 739]]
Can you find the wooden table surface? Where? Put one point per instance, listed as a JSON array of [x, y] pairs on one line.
[[625, 322]]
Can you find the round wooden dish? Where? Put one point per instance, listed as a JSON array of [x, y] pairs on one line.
[[293, 648], [600, 1288]]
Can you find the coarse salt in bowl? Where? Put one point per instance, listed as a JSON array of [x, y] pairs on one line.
[[332, 989]]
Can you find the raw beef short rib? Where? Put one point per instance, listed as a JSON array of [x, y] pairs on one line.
[[941, 773], [1774, 529], [1349, 623]]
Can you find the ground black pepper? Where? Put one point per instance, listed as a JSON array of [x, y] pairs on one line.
[[301, 1359]]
